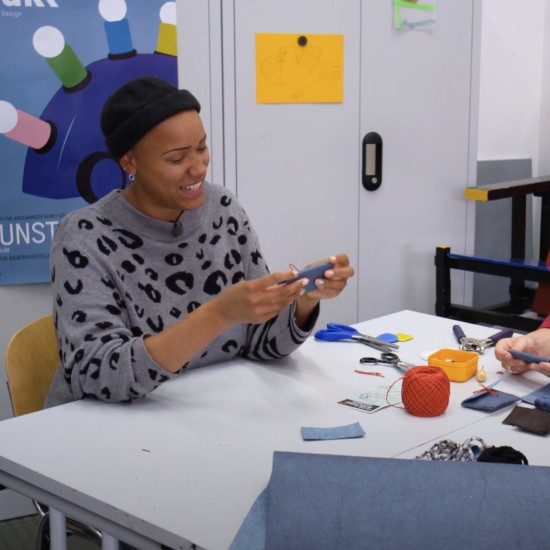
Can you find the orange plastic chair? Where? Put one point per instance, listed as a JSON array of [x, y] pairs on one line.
[[31, 359]]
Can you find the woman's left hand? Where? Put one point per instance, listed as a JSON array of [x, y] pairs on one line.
[[335, 279], [330, 286]]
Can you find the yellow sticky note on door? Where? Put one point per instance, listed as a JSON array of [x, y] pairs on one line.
[[299, 68]]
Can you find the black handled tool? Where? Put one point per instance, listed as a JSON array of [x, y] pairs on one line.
[[479, 344]]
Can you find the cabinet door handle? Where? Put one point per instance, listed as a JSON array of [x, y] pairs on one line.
[[372, 161]]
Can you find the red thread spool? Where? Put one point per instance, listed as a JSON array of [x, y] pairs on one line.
[[425, 391]]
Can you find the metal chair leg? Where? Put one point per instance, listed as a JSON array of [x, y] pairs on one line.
[[43, 533]]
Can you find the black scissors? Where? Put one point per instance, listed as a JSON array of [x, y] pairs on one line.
[[387, 358]]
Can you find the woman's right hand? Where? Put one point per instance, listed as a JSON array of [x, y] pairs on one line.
[[537, 342], [258, 300]]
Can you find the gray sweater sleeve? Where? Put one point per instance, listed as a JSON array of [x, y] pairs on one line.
[[279, 336], [102, 353]]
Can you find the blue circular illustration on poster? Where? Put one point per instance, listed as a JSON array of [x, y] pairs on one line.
[[75, 161]]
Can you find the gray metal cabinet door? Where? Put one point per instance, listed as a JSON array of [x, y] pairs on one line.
[[297, 164], [296, 168], [417, 94]]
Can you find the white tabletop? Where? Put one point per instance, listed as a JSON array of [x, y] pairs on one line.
[[187, 462]]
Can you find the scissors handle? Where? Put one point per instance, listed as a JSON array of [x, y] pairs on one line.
[[329, 335], [341, 328], [369, 360]]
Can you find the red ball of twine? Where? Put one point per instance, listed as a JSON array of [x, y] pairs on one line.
[[425, 391]]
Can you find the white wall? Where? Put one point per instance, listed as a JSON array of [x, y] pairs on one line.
[[514, 107], [513, 35], [544, 137]]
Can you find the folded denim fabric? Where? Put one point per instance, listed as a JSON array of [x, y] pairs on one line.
[[487, 401]]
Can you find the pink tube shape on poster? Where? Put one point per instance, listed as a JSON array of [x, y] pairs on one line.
[[22, 127]]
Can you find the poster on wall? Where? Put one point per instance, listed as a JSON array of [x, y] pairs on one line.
[[61, 60]]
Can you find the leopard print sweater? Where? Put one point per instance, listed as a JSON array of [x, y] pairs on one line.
[[119, 276]]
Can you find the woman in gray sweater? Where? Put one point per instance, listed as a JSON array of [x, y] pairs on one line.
[[167, 274]]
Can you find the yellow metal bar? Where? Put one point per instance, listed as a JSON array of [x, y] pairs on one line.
[[476, 194]]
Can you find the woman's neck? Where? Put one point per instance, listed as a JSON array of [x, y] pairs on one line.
[[146, 206]]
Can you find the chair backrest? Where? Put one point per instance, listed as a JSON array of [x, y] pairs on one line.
[[31, 359]]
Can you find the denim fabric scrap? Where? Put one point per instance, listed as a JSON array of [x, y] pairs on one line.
[[337, 432], [486, 401]]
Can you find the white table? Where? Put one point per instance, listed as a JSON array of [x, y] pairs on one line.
[[186, 463]]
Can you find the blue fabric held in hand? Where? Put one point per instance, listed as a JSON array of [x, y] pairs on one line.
[[486, 401], [338, 432]]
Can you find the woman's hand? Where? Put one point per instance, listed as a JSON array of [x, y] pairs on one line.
[[246, 302], [537, 342], [334, 281], [257, 300]]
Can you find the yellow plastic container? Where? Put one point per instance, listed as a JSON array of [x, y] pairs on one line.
[[459, 365]]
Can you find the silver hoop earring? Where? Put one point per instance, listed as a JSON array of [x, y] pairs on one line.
[[131, 177]]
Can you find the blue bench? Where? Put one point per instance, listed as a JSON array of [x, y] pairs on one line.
[[508, 315], [518, 271]]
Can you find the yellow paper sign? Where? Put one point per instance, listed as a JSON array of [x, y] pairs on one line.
[[299, 68]]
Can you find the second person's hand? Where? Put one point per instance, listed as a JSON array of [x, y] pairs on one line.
[[536, 342]]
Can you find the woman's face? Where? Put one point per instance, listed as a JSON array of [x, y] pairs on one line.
[[169, 164]]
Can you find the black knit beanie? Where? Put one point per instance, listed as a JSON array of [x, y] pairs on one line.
[[137, 107]]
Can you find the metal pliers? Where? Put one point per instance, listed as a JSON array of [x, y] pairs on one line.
[[479, 344]]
